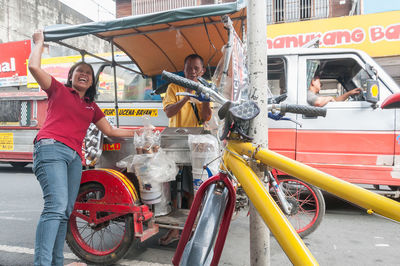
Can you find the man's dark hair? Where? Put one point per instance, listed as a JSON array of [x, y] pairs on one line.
[[91, 91], [194, 56]]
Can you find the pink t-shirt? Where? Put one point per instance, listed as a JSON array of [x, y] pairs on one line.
[[68, 116]]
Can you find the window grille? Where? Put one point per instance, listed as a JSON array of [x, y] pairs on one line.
[[151, 6], [296, 10]]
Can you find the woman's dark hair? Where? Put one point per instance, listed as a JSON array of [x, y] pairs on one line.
[[91, 91]]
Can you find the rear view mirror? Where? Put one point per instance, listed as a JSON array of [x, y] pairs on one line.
[[372, 91]]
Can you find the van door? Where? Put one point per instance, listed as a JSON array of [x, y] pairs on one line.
[[354, 141], [282, 76]]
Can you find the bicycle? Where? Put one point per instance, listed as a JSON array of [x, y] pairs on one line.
[[205, 249], [302, 203]]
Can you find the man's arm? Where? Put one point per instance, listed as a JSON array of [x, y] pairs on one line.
[[174, 108], [205, 111], [323, 100], [346, 95]]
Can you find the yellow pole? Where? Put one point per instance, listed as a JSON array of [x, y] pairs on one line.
[[277, 222], [371, 201]]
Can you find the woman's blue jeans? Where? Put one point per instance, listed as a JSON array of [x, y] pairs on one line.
[[58, 169]]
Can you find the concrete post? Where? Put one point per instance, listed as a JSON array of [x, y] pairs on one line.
[[257, 62]]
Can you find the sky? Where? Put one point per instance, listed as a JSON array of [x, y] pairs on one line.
[[374, 6], [94, 9]]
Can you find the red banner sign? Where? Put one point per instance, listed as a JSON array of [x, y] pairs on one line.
[[13, 58]]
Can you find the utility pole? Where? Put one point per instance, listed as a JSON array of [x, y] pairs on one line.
[[257, 62]]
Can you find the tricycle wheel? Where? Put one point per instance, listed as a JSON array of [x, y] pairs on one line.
[[19, 164], [104, 243]]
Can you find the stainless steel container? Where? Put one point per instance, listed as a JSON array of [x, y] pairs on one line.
[[114, 150], [174, 141], [164, 207]]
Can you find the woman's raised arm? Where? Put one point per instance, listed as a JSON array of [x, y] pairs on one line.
[[42, 77]]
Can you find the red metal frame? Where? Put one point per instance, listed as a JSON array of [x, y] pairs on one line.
[[120, 198], [224, 226]]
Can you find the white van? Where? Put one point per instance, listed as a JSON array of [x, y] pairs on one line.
[[356, 141]]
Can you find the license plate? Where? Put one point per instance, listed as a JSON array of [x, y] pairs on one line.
[[6, 141]]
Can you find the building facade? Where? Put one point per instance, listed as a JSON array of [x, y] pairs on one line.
[[20, 18], [293, 23]]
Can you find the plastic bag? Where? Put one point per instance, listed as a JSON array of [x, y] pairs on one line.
[[125, 162], [154, 168], [231, 74], [148, 140], [204, 150]]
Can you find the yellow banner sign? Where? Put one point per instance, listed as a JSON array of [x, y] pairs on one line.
[[6, 141], [377, 34], [9, 123], [130, 112]]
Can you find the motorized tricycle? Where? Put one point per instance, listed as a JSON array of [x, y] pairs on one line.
[[114, 206]]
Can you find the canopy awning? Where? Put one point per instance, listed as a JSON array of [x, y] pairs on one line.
[[161, 41]]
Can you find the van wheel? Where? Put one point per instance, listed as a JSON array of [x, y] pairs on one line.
[[19, 164]]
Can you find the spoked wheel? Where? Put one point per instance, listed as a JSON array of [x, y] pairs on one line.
[[307, 205], [104, 243]]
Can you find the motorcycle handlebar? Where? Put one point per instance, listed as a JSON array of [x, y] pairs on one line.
[[302, 109], [190, 84]]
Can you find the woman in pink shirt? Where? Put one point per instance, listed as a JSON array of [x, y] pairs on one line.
[[57, 151]]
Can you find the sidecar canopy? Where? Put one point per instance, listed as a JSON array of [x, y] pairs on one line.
[[162, 40]]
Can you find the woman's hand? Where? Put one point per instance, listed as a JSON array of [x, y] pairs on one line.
[[38, 37]]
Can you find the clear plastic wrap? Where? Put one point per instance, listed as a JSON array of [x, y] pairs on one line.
[[125, 163], [148, 140], [153, 168], [204, 149], [231, 74]]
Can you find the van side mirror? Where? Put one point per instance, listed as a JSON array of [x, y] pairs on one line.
[[372, 91]]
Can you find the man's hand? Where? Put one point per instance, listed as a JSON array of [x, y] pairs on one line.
[[343, 97], [355, 91], [201, 98], [194, 98]]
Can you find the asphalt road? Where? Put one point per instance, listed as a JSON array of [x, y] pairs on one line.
[[346, 236]]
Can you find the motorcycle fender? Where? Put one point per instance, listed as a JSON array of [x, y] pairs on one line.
[[118, 188]]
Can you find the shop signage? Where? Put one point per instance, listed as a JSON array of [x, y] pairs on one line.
[[377, 34], [13, 60]]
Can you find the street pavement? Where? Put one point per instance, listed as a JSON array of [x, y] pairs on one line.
[[346, 236]]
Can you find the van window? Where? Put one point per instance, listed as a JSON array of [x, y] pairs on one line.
[[338, 76], [131, 86], [277, 75]]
